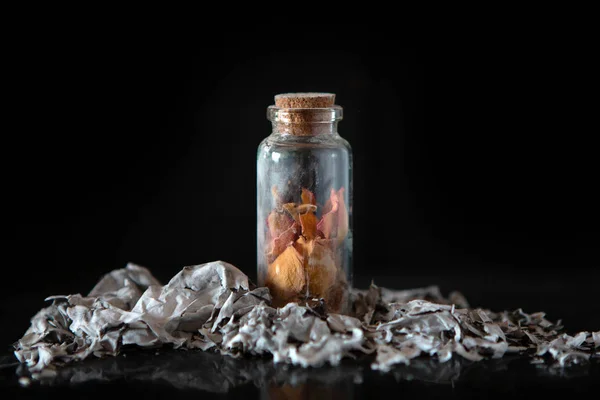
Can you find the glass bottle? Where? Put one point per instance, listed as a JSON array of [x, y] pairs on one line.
[[304, 203]]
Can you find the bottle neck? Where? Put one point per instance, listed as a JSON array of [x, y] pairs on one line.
[[305, 128], [305, 121]]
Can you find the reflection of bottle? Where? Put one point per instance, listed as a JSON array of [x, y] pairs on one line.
[[304, 193], [309, 390]]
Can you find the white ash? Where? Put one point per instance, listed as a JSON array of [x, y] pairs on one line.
[[24, 381], [214, 307]]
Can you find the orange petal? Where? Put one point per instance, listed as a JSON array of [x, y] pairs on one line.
[[285, 276], [309, 225], [308, 197]]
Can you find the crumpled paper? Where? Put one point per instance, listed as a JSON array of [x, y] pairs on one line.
[[213, 306]]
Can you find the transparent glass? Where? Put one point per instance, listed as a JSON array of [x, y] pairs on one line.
[[304, 209]]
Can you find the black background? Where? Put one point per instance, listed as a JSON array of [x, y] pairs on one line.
[[475, 168]]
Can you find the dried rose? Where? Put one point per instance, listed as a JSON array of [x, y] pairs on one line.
[[285, 276], [303, 250]]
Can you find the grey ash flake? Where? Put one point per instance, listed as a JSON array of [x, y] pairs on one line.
[[213, 307]]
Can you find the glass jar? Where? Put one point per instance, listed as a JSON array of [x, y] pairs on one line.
[[304, 204]]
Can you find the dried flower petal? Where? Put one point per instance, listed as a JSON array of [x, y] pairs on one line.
[[278, 223], [308, 222], [343, 219], [296, 210], [305, 208], [291, 209], [320, 266], [308, 197], [327, 224], [280, 243], [334, 222], [285, 276], [283, 231], [306, 214]]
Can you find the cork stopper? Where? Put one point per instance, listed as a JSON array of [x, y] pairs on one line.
[[305, 100], [305, 114]]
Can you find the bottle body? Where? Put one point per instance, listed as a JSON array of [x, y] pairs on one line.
[[304, 218]]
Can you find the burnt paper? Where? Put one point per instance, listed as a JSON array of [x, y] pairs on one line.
[[214, 307]]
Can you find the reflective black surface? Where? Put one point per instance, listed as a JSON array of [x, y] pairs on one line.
[[166, 372], [189, 374]]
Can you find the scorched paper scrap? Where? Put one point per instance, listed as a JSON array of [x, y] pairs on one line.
[[215, 307]]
